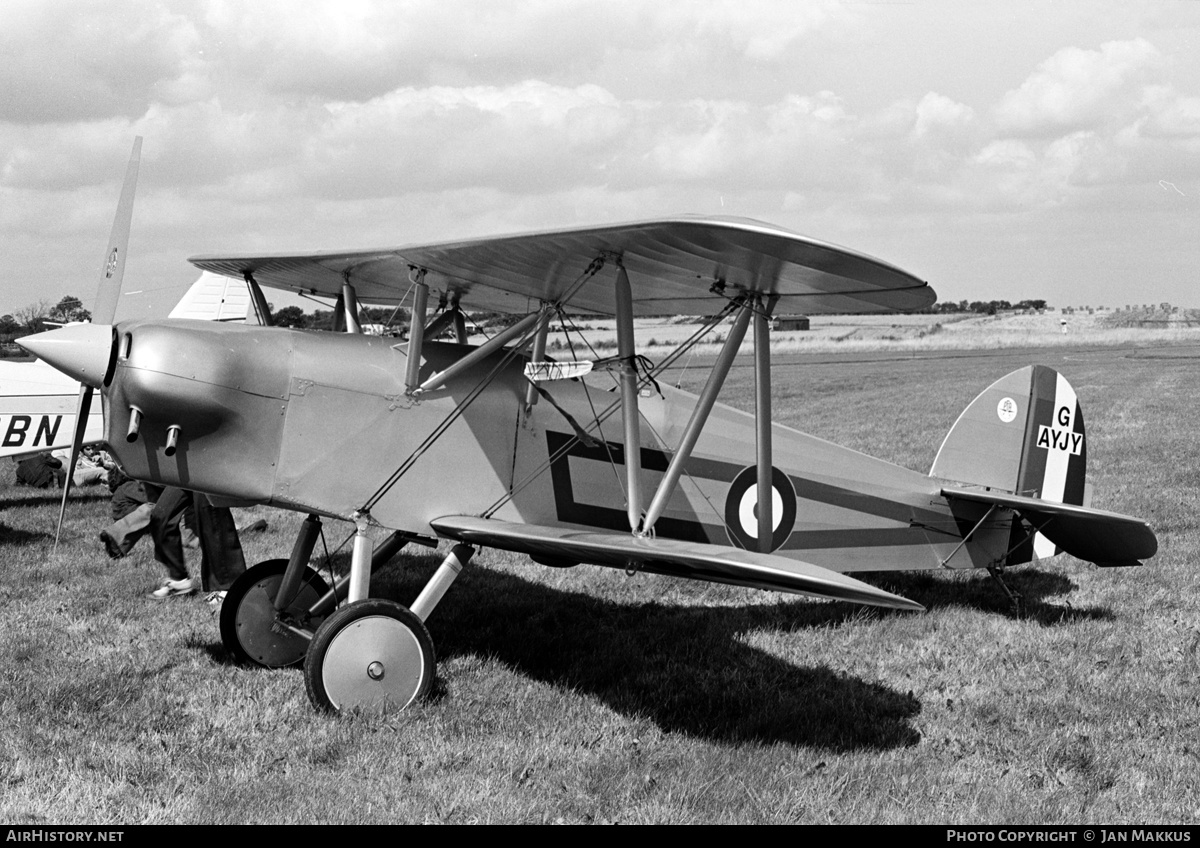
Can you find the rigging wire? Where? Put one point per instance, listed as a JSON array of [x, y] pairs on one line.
[[566, 448], [510, 352]]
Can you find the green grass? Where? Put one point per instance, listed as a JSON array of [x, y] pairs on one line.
[[586, 695]]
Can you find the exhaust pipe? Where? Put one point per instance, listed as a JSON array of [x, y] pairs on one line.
[[135, 424], [172, 440]]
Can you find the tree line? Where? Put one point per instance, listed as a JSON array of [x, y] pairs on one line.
[[985, 307], [40, 316]]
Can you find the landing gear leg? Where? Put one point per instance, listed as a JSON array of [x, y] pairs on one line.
[[270, 613], [1015, 598], [377, 654], [254, 631]]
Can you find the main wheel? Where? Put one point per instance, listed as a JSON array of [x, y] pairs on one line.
[[372, 654], [248, 627]]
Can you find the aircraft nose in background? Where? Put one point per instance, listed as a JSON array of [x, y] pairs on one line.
[[81, 351]]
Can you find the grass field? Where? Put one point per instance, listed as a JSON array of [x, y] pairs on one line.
[[586, 695]]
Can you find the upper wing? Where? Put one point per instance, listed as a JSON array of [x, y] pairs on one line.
[[693, 560], [672, 264], [1105, 538]]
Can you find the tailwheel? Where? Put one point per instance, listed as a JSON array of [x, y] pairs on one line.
[[371, 654], [250, 627]]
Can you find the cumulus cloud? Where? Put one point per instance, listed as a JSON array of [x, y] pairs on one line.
[[1079, 89], [353, 122], [938, 114], [89, 59]]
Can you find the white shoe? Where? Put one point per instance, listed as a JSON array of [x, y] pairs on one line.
[[172, 588]]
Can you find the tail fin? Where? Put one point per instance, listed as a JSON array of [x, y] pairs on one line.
[[216, 298], [1024, 435]]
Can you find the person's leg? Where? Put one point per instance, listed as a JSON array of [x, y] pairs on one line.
[[88, 476], [164, 529], [222, 560], [122, 535]]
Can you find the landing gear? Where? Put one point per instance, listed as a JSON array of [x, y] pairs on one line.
[[251, 628], [375, 654], [370, 654], [1015, 598]]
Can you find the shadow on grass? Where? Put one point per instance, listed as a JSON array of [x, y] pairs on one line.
[[16, 537], [684, 668], [43, 497], [980, 592], [687, 668]]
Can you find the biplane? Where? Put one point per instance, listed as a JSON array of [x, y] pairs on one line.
[[497, 445]]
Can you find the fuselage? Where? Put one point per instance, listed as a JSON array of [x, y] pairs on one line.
[[37, 409], [321, 422]]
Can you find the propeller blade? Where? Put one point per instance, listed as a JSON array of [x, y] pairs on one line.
[[105, 310], [118, 244], [81, 418]]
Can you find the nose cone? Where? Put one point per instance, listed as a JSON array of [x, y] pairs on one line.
[[82, 351]]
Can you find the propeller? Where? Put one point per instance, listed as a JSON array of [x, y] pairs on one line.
[[103, 314]]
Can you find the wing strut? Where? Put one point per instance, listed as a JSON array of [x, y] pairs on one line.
[[416, 332], [695, 425], [350, 306], [259, 301], [496, 342], [762, 420], [538, 355], [629, 400]]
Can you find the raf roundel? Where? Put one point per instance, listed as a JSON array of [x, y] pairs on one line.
[[741, 509]]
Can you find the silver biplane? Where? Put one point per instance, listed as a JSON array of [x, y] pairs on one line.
[[495, 445]]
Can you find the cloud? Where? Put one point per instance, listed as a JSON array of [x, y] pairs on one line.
[[89, 59], [937, 114], [1079, 89]]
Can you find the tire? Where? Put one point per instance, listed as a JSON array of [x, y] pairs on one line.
[[373, 654], [248, 616]]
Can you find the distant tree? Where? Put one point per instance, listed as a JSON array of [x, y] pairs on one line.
[[321, 319], [32, 318], [290, 316], [69, 309], [8, 325]]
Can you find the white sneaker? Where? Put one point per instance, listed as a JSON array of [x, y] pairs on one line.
[[172, 588]]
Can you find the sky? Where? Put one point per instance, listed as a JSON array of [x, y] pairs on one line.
[[1000, 149]]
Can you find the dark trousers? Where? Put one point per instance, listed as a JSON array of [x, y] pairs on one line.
[[221, 560]]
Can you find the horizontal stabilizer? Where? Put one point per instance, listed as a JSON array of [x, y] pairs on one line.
[[693, 560], [1103, 538]]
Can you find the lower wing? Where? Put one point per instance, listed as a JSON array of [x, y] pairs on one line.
[[668, 556]]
